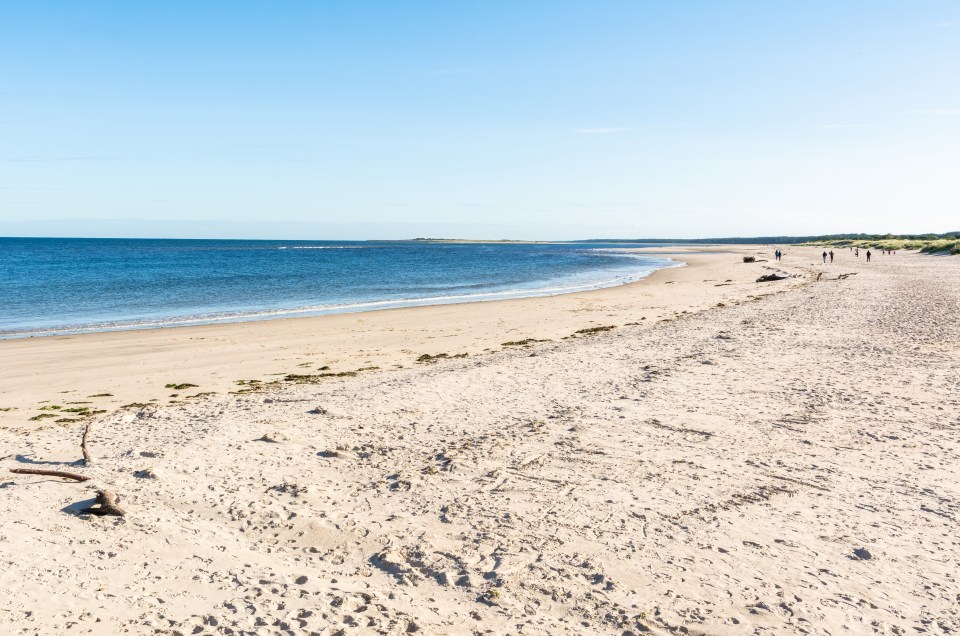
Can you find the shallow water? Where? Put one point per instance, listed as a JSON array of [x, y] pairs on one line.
[[56, 286]]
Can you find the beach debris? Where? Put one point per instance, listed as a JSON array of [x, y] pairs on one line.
[[50, 473], [316, 377], [272, 438], [427, 358], [592, 330], [318, 411], [844, 276], [749, 259], [766, 278], [87, 459], [863, 554], [146, 473], [520, 343], [179, 387], [490, 596], [106, 506]]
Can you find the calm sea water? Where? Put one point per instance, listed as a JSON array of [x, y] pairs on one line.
[[57, 286]]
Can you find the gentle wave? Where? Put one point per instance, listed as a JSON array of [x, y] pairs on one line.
[[317, 310], [326, 247]]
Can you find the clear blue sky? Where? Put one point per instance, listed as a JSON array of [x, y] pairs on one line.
[[517, 119]]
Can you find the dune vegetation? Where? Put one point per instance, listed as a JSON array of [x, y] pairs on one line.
[[928, 244]]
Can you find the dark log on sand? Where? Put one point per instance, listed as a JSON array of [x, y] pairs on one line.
[[106, 505], [770, 277], [50, 473]]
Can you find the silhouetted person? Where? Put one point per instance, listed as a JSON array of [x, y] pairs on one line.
[[824, 258], [831, 256], [868, 256]]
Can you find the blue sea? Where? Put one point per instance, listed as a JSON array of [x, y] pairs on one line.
[[61, 286]]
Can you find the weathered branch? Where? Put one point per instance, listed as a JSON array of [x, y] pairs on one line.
[[770, 277], [87, 460], [106, 505], [50, 473]]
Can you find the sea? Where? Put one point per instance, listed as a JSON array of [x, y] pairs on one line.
[[56, 286]]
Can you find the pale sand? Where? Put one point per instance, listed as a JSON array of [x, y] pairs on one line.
[[714, 472]]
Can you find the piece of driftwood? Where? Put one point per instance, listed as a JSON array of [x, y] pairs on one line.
[[770, 277], [50, 473], [106, 506], [87, 460]]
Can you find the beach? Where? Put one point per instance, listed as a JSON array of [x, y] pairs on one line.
[[135, 366], [697, 452]]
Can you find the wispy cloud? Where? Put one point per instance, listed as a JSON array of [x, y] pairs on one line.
[[601, 131], [937, 111], [848, 126]]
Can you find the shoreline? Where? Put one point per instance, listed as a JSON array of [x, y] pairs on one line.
[[557, 288], [134, 366]]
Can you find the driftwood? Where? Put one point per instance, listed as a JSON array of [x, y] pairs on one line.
[[50, 473], [87, 460], [770, 277], [106, 505]]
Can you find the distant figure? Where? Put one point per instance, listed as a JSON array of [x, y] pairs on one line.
[[831, 256], [868, 256], [777, 255], [856, 252], [824, 258]]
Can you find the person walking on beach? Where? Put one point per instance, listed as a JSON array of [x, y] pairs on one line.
[[824, 258], [868, 256], [856, 252], [831, 257]]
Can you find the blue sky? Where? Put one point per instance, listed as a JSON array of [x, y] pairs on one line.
[[516, 119]]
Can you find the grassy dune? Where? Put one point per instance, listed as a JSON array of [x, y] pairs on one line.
[[929, 246]]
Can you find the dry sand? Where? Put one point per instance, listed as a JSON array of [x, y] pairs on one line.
[[784, 463]]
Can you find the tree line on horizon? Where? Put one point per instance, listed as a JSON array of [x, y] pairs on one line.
[[793, 239]]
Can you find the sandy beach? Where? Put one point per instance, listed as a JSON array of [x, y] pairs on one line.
[[730, 457], [108, 370]]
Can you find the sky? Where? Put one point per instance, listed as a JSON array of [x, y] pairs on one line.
[[516, 119]]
